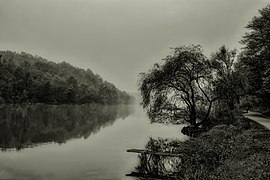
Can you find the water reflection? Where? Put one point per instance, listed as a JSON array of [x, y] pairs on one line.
[[23, 126], [162, 160]]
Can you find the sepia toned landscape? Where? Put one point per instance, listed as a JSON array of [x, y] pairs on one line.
[[122, 89]]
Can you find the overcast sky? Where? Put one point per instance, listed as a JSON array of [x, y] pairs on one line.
[[120, 38]]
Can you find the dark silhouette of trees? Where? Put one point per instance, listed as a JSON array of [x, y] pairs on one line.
[[228, 83], [254, 59], [32, 79], [180, 89]]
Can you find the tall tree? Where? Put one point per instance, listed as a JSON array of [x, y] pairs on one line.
[[255, 57], [180, 89], [228, 83]]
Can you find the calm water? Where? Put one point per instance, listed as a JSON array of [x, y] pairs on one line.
[[74, 141]]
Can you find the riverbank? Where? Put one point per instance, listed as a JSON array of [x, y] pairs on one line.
[[238, 151]]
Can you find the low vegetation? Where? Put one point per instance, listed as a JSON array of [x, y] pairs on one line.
[[237, 151]]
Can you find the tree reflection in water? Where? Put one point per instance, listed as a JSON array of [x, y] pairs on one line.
[[190, 159], [24, 126], [159, 166]]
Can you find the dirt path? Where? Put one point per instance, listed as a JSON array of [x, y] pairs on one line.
[[258, 117]]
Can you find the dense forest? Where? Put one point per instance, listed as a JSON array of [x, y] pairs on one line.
[[32, 79]]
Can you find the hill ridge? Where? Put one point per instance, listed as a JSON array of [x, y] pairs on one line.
[[28, 78]]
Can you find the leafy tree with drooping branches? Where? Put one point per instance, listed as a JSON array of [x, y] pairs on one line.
[[180, 89]]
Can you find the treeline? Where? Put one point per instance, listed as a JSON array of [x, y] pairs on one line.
[[243, 79], [32, 79]]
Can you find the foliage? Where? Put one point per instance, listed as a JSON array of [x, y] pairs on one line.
[[27, 78], [180, 89], [254, 59], [228, 83], [236, 148]]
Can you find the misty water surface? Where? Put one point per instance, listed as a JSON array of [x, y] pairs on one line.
[[74, 141]]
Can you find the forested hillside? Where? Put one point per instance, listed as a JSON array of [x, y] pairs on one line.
[[33, 79]]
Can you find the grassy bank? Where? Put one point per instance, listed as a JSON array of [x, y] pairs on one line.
[[237, 151]]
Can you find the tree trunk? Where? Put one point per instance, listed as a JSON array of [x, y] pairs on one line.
[[193, 116], [207, 114]]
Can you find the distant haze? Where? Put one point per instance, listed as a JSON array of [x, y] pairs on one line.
[[118, 39]]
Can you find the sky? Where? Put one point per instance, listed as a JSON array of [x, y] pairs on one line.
[[118, 39]]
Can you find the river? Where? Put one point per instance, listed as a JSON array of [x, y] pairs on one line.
[[80, 142]]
